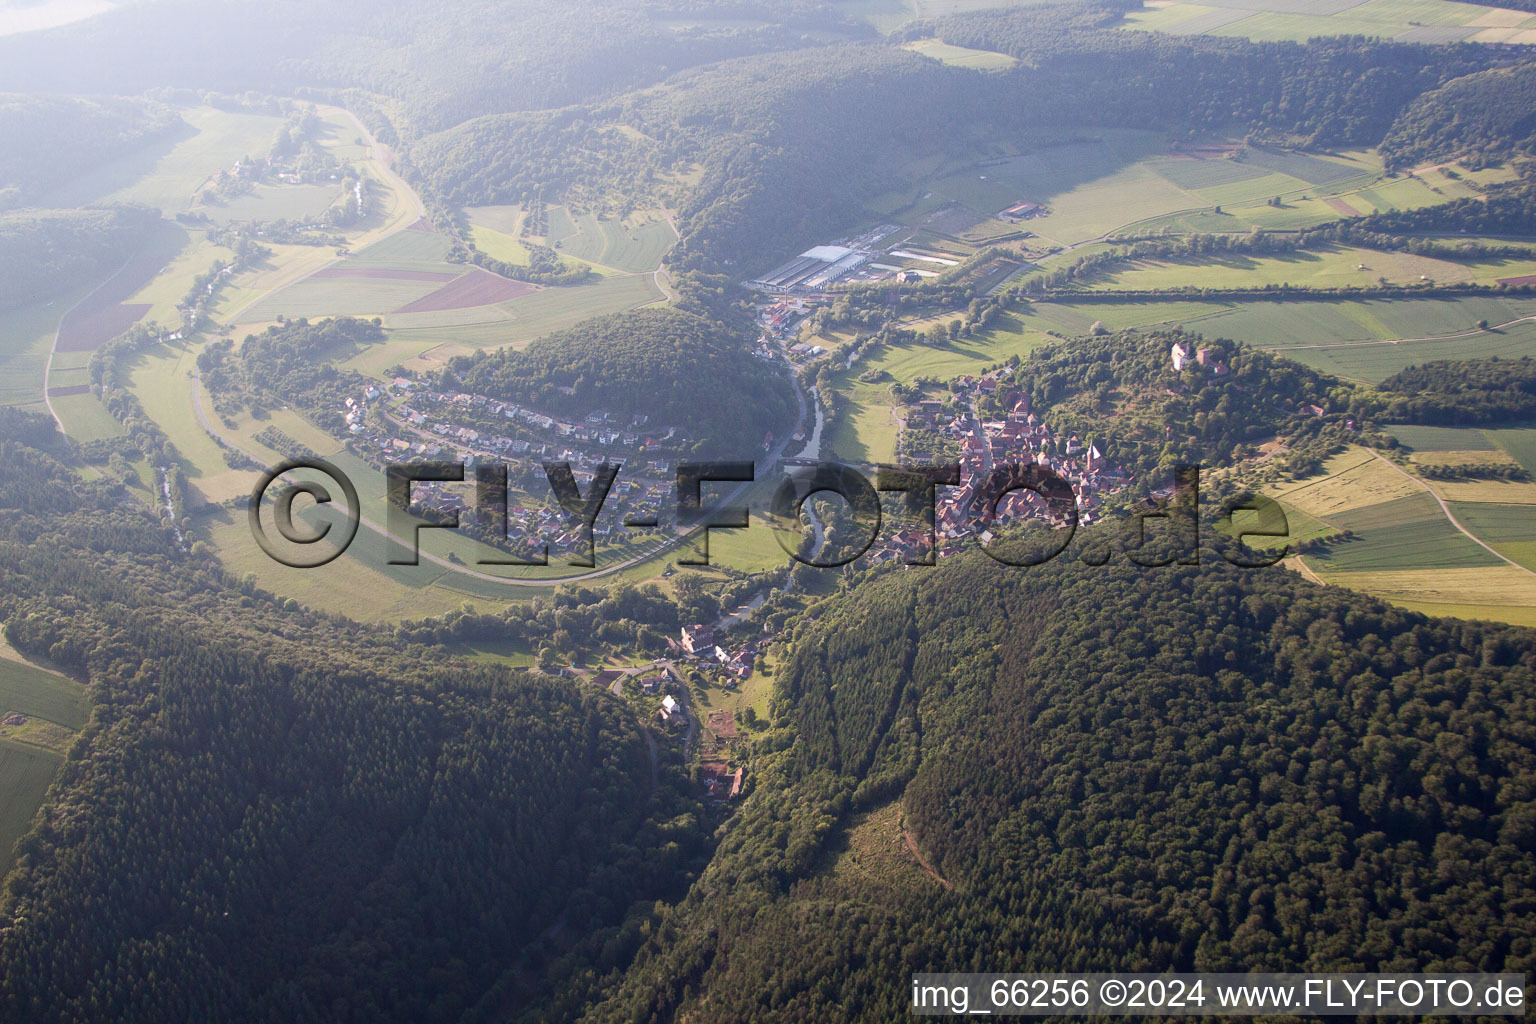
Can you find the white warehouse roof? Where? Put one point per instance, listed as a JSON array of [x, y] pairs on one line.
[[829, 253]]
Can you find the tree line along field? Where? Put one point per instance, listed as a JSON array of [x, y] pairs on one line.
[[54, 707], [1335, 266], [1412, 21], [1363, 340]]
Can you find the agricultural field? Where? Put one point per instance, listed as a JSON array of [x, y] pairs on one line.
[[26, 335], [169, 174], [1124, 179], [26, 772], [865, 429], [1332, 267], [1353, 479], [1500, 593], [161, 379], [961, 56], [51, 708], [1511, 529], [886, 15], [275, 202], [1403, 545], [633, 245], [84, 417], [1360, 339], [1411, 21], [40, 693], [1370, 192], [520, 320], [610, 246]]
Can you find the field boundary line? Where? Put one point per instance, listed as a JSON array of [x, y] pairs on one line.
[[1446, 508], [58, 329]]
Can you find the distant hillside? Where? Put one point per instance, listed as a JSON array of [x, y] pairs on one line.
[[1200, 769], [677, 369], [49, 139], [45, 252], [1483, 118], [444, 61], [780, 164]]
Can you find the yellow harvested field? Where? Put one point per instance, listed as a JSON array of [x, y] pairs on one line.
[[1353, 479], [1513, 615], [1518, 36], [1497, 457], [1494, 586], [1507, 492], [1499, 18]]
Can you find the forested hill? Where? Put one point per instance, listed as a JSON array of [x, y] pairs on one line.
[[677, 369], [780, 167], [45, 252], [278, 815], [1115, 768], [444, 62], [775, 156], [49, 139], [1122, 391], [1326, 92], [1482, 118]]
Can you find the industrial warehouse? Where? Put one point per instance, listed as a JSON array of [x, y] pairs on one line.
[[889, 251]]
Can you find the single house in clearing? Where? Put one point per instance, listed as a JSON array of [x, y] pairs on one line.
[[698, 639], [670, 709]]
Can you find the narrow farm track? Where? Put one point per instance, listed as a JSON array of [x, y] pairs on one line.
[[1446, 508], [911, 844], [53, 346]]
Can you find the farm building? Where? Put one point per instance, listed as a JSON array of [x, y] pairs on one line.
[[812, 270]]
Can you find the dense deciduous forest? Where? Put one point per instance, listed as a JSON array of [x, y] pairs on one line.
[[1188, 769], [1122, 391], [1483, 118], [276, 814], [1459, 391], [677, 369], [52, 138], [46, 252]]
